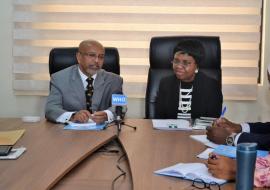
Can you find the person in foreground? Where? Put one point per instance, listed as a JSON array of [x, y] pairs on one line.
[[231, 133], [83, 91], [188, 93], [227, 132]]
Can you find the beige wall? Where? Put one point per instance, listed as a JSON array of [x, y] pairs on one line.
[[17, 106]]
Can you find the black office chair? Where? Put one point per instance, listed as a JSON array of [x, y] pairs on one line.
[[161, 55], [61, 58]]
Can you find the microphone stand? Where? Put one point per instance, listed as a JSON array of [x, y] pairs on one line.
[[119, 123]]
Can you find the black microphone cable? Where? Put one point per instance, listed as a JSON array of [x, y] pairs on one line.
[[123, 172]]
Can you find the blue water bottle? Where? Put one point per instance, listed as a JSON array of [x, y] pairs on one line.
[[246, 158]]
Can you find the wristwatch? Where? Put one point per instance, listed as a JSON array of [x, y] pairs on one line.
[[230, 139]]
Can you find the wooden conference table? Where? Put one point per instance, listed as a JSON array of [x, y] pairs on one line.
[[62, 159]]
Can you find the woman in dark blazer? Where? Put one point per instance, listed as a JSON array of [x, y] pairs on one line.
[[188, 93]]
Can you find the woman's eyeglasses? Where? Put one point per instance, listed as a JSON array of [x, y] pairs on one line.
[[183, 63], [200, 184]]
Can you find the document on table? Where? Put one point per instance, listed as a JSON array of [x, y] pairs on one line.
[[228, 151], [205, 153], [85, 126], [171, 124], [203, 139], [190, 171], [10, 137]]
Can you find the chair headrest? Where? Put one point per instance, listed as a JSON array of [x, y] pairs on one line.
[[61, 58], [162, 48]]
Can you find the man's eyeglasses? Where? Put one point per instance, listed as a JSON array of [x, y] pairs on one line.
[[92, 55], [183, 63], [200, 184]]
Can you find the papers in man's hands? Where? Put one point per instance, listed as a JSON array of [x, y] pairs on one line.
[[14, 154], [203, 139], [171, 124], [85, 126], [190, 171]]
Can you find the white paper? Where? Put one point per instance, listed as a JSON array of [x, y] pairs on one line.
[[202, 123], [89, 123], [85, 126], [190, 171], [203, 139], [14, 154], [171, 124], [205, 154]]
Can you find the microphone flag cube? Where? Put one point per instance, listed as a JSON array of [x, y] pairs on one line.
[[119, 100]]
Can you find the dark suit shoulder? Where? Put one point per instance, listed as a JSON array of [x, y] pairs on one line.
[[168, 80], [260, 127], [201, 77], [262, 140]]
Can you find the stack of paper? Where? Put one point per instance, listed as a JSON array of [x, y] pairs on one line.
[[203, 122], [171, 124], [190, 171], [85, 126]]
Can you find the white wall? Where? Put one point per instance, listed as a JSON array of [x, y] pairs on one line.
[[17, 106]]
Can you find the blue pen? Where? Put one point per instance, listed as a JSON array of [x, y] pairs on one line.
[[223, 111]]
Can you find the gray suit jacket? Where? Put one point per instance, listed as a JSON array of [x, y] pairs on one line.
[[67, 92]]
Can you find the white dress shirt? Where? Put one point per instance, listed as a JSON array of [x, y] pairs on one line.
[[245, 129]]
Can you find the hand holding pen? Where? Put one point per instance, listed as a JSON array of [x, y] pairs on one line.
[[221, 166], [221, 118], [225, 123]]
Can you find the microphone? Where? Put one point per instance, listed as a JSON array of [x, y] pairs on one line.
[[119, 101]]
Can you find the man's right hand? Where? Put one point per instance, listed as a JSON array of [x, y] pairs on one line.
[[81, 116]]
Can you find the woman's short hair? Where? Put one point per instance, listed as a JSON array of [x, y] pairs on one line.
[[191, 47]]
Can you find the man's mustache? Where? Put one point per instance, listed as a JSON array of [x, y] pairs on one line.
[[94, 67]]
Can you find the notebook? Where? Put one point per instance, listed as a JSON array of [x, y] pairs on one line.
[[230, 151], [190, 171]]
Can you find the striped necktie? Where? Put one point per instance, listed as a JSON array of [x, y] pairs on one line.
[[89, 93]]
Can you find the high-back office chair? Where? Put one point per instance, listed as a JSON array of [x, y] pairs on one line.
[[61, 58], [161, 55]]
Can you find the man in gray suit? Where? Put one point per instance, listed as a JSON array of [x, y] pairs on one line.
[[67, 99]]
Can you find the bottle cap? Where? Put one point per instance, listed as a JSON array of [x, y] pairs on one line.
[[247, 146]]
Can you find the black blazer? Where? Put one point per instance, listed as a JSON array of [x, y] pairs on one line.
[[259, 133], [206, 97]]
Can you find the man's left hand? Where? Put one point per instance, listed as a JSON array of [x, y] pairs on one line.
[[217, 134], [222, 167], [99, 117]]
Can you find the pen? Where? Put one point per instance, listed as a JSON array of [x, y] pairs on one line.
[[223, 111], [213, 156]]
